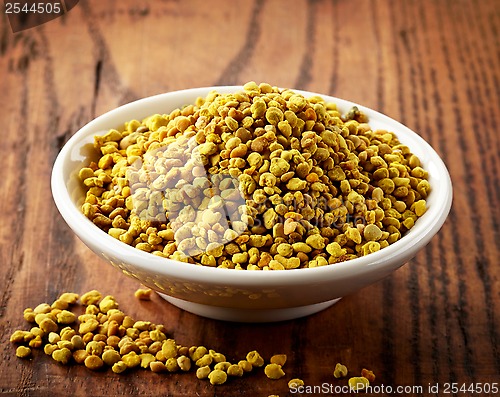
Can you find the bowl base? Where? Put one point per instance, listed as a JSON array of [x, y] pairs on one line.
[[248, 315]]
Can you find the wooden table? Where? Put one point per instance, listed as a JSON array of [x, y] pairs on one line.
[[433, 65]]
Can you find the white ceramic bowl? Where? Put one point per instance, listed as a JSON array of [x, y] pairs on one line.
[[228, 294]]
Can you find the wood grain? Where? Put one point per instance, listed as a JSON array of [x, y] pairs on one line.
[[434, 65]]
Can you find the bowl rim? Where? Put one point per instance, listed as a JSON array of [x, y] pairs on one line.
[[425, 228]]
